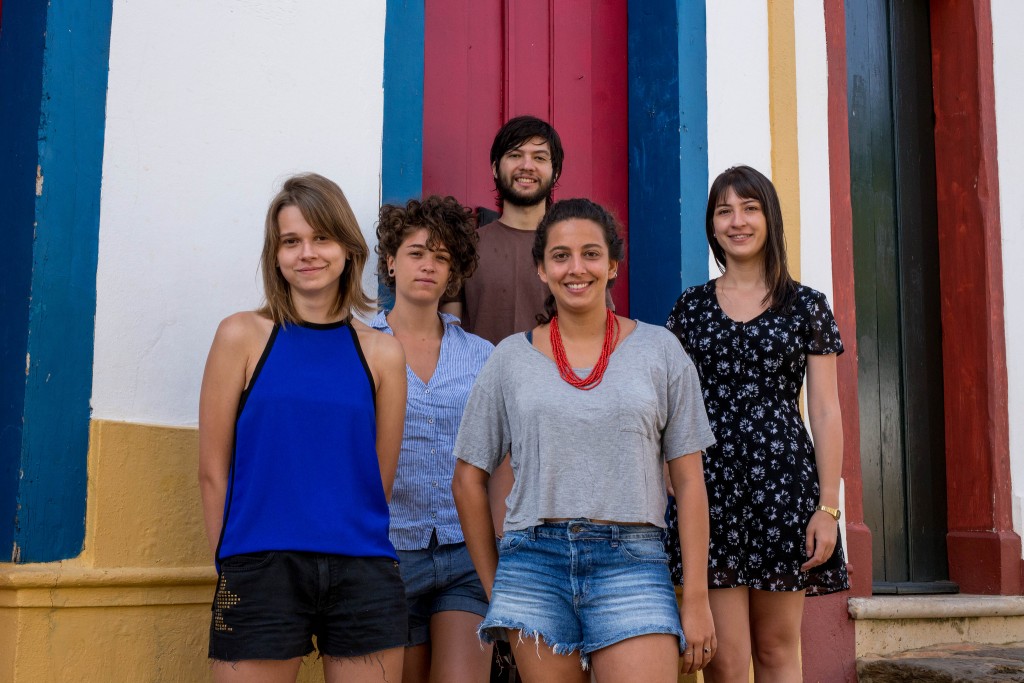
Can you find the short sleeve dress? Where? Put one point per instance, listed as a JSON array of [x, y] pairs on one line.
[[761, 475]]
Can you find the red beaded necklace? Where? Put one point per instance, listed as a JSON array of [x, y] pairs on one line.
[[611, 338]]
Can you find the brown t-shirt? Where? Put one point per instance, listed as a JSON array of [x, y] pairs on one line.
[[505, 294]]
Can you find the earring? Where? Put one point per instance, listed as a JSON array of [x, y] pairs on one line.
[[391, 272]]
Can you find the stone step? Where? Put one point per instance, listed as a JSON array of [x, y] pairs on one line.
[[950, 663]]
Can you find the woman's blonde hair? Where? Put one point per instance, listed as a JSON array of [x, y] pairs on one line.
[[323, 205]]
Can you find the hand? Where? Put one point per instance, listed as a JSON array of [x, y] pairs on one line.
[[699, 629], [822, 531]]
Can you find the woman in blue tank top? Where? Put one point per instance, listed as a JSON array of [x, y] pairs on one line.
[[300, 424], [427, 248]]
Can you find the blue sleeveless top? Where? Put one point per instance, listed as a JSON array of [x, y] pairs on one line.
[[304, 474]]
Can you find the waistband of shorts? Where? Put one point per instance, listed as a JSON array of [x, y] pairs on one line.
[[584, 530]]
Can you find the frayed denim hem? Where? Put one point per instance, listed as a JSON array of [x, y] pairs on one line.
[[485, 633]]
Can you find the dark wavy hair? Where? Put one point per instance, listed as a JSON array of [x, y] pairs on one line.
[[582, 209], [521, 130], [448, 223], [749, 183], [325, 208]]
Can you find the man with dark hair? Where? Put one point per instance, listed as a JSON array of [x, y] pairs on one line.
[[505, 294]]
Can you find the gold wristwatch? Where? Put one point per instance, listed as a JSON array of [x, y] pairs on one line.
[[835, 512]]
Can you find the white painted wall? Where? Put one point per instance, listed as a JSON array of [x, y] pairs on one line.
[[210, 106], [739, 122], [812, 141], [1007, 27], [739, 126]]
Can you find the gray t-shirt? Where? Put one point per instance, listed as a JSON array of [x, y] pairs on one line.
[[594, 454]]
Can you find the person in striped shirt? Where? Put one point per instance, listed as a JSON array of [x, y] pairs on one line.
[[428, 248]]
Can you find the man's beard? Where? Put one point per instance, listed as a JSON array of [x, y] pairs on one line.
[[507, 193]]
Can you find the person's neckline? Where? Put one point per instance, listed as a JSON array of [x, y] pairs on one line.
[[622, 342], [713, 284], [325, 326]]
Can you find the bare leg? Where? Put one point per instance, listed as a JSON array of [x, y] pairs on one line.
[[416, 666], [731, 610], [652, 658], [257, 671], [775, 632], [457, 655], [536, 662], [384, 666]]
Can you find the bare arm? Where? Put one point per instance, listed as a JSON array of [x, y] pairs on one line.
[[827, 430], [223, 382], [469, 487], [687, 475], [389, 359]]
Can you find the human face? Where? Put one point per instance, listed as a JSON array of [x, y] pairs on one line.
[[309, 260], [422, 273], [740, 227], [577, 265], [524, 175]]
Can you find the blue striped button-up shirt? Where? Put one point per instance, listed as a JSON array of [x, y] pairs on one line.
[[421, 501]]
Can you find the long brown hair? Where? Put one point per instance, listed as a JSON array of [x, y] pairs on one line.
[[323, 205], [749, 183]]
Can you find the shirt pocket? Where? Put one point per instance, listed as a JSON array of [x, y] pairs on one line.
[[638, 414]]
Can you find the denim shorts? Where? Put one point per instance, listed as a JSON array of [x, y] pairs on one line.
[[269, 605], [439, 578], [582, 586]]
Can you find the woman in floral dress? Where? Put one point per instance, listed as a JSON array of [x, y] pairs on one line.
[[773, 494]]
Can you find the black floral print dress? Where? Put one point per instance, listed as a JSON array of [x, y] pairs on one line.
[[761, 475]]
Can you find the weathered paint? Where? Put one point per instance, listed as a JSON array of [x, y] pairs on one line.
[[21, 67], [402, 157], [984, 552], [783, 115], [739, 123], [199, 138], [562, 60], [402, 153], [64, 191], [1008, 73], [811, 64], [668, 157], [843, 303]]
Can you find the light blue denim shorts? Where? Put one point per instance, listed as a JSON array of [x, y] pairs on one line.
[[579, 586], [439, 578]]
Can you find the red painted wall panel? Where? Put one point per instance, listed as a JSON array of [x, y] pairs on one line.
[[984, 552], [462, 97], [562, 60]]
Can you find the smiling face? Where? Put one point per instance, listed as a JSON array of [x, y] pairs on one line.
[[524, 175], [422, 272], [740, 227], [310, 261], [577, 264]]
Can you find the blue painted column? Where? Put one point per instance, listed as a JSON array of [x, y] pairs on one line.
[[402, 155], [668, 153], [53, 81]]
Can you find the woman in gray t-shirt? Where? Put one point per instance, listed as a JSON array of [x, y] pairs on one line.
[[590, 406]]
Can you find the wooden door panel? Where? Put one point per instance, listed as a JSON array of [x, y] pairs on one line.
[[561, 60]]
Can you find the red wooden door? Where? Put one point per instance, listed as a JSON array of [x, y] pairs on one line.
[[562, 60]]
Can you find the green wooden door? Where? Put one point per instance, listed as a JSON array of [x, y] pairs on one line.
[[899, 335]]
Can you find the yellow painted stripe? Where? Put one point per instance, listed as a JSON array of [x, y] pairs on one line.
[[782, 112]]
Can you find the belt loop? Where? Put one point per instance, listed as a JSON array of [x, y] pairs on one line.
[[615, 535], [531, 533]]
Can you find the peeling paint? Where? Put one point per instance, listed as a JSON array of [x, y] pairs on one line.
[[28, 362], [39, 181], [15, 553]]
